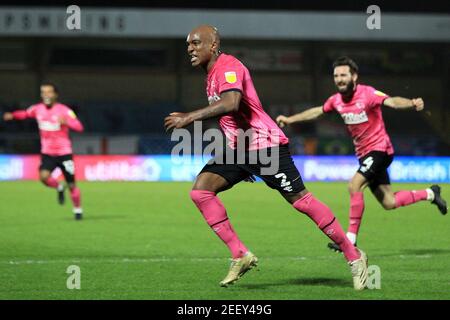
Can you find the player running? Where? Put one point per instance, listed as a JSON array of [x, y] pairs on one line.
[[360, 108], [54, 120], [233, 99]]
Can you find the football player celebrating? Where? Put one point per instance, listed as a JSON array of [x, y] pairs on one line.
[[54, 121], [233, 99], [360, 107]]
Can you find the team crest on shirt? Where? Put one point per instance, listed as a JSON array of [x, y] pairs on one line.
[[359, 105], [230, 77]]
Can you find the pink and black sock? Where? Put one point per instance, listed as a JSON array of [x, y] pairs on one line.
[[216, 217], [75, 195], [405, 198], [327, 222], [356, 213]]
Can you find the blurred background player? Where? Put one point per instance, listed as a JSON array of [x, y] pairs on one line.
[[360, 108], [54, 121], [234, 100]]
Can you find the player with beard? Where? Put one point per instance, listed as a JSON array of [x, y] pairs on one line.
[[233, 100], [54, 120], [360, 107]]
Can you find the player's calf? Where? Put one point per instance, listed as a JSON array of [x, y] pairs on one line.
[[216, 217], [432, 194], [61, 196], [328, 224], [75, 195]]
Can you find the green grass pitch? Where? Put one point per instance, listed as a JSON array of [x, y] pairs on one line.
[[148, 241]]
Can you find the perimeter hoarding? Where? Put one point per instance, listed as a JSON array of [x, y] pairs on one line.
[[166, 168]]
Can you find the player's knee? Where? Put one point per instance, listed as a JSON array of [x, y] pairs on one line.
[[199, 196], [388, 203], [208, 187], [352, 187], [43, 176], [294, 197], [195, 196], [71, 185]]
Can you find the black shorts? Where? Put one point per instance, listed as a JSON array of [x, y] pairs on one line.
[[373, 166], [65, 163], [283, 177]]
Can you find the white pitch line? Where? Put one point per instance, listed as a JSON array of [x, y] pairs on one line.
[[199, 259]]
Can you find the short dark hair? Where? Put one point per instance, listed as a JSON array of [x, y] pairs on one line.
[[51, 84], [346, 61]]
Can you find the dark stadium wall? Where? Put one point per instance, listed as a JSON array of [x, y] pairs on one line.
[[287, 73]]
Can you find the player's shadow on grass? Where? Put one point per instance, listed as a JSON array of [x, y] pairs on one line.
[[102, 217], [418, 252], [426, 251], [326, 282]]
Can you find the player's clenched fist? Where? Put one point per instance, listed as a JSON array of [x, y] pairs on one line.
[[8, 116], [177, 120], [282, 121], [418, 104]]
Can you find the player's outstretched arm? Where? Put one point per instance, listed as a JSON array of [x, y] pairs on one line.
[[20, 114], [404, 103], [310, 114], [229, 102], [16, 115]]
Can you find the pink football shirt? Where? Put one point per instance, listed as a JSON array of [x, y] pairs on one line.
[[55, 140], [227, 74], [364, 120]]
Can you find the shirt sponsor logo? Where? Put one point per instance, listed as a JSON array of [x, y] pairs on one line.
[[49, 126], [355, 118], [230, 77]]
